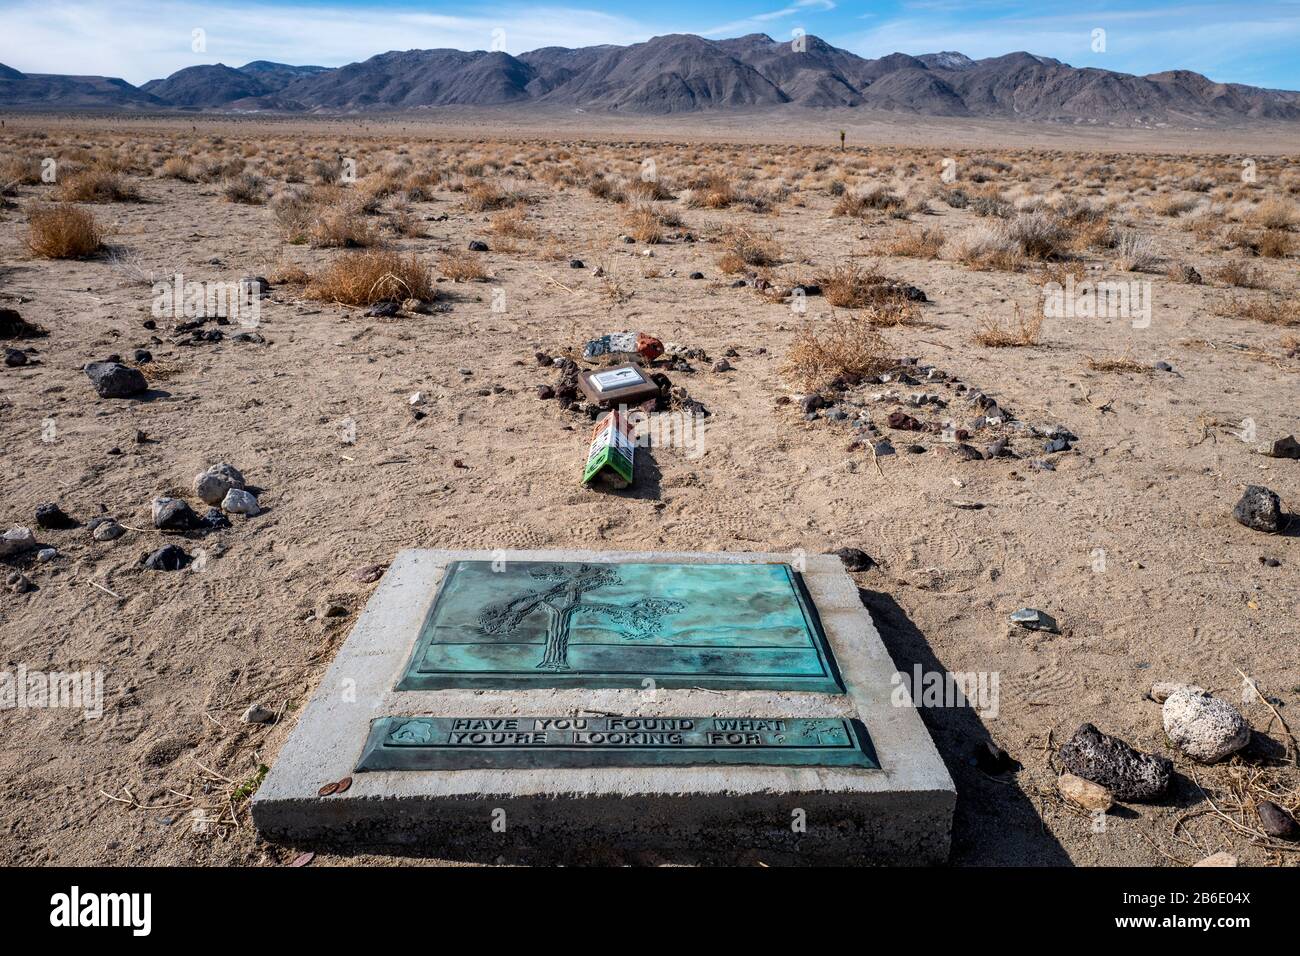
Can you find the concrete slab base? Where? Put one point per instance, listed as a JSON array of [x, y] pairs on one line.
[[900, 814]]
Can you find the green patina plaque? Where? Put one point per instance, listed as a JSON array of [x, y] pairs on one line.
[[538, 624], [464, 743]]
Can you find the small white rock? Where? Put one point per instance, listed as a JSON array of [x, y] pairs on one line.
[[240, 502], [15, 541], [1203, 726], [211, 485], [257, 714], [1218, 859], [46, 554], [417, 398]]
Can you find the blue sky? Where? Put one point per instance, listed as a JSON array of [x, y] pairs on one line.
[[1243, 42]]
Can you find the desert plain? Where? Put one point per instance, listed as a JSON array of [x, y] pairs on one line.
[[434, 422]]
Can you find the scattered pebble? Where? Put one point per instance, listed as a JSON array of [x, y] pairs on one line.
[[477, 245], [108, 530], [47, 554], [1277, 822], [1035, 620], [992, 759], [1221, 858], [1085, 793], [20, 583], [1286, 447], [1162, 690], [257, 714]]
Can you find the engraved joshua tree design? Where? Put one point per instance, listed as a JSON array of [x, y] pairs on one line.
[[564, 599]]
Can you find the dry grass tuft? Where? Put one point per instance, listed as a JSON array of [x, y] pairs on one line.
[[1121, 364], [364, 278], [744, 249], [995, 334], [917, 244], [843, 350], [461, 266], [96, 185], [63, 232]]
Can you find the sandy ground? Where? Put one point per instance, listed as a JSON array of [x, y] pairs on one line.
[[1182, 593]]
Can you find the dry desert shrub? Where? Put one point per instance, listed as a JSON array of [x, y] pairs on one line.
[[364, 278], [646, 224], [1238, 273], [513, 223], [18, 171], [860, 204], [986, 246], [63, 232], [849, 285], [404, 221], [1275, 244], [996, 334], [744, 249], [603, 188], [1134, 252], [1274, 214], [1173, 206], [892, 313], [96, 185], [248, 189], [649, 189], [484, 196], [1271, 311], [179, 167], [341, 227], [714, 190], [917, 244], [461, 266], [845, 349]]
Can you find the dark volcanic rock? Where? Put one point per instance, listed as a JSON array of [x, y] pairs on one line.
[[170, 558], [1259, 508], [1127, 773], [172, 514], [1286, 447], [14, 326], [854, 559], [115, 380], [15, 357], [51, 516]]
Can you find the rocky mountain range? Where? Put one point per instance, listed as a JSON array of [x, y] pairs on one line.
[[679, 73]]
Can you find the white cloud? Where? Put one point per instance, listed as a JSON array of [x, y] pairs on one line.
[[139, 40]]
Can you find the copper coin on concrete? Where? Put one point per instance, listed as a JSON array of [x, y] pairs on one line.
[[328, 789]]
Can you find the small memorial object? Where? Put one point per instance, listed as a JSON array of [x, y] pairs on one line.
[[609, 458], [623, 347], [620, 385]]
